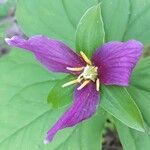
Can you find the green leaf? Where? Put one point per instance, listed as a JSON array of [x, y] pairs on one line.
[[115, 15], [32, 134], [25, 115], [59, 96], [131, 139], [53, 18], [140, 87], [90, 31], [138, 24], [118, 102], [58, 19]]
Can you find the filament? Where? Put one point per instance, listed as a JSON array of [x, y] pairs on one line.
[[70, 83], [85, 58], [83, 84]]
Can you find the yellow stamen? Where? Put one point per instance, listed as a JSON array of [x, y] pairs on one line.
[[89, 74], [85, 58], [75, 69], [70, 83], [97, 84], [83, 84]]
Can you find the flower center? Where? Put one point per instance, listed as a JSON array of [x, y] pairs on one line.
[[89, 74]]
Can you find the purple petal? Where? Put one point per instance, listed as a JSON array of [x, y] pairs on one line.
[[53, 54], [116, 61], [84, 106]]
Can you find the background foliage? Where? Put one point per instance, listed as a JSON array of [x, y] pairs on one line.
[[25, 115]]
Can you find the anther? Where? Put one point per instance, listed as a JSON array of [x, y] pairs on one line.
[[97, 84], [89, 73], [75, 69], [83, 84], [85, 58]]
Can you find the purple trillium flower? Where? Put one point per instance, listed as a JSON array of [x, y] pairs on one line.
[[111, 64]]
